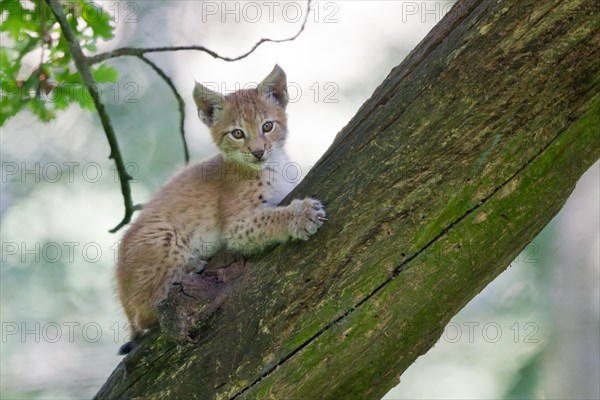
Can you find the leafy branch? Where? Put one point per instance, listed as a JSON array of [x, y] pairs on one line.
[[20, 23]]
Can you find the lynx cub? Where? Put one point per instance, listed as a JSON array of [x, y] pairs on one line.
[[229, 200]]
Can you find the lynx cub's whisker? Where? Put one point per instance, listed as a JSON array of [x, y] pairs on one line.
[[230, 200]]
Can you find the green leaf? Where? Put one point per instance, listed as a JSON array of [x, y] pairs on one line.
[[16, 19], [41, 110], [105, 74], [8, 68], [89, 46], [83, 98], [61, 96], [10, 103], [97, 19]]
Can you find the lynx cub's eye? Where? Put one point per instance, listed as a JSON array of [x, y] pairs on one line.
[[267, 127], [237, 134]]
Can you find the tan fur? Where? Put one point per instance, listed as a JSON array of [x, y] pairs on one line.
[[229, 200]]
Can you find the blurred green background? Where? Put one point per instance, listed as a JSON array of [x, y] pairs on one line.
[[532, 333]]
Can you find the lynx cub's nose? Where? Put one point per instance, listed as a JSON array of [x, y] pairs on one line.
[[258, 154]]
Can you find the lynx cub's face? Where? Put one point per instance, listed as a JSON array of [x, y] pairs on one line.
[[249, 124]]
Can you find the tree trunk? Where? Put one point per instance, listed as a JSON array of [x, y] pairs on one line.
[[460, 157]]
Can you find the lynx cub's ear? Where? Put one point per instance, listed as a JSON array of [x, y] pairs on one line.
[[274, 87], [209, 103]]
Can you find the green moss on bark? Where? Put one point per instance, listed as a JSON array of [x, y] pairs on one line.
[[459, 159]]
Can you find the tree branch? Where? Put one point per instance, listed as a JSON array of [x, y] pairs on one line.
[[83, 67], [180, 103], [432, 189], [136, 51]]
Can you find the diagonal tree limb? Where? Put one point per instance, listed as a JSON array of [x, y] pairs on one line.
[[180, 102], [457, 161], [83, 67], [137, 51]]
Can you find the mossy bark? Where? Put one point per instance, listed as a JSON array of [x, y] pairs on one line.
[[461, 156]]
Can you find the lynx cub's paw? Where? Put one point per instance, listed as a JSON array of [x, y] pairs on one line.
[[309, 215]]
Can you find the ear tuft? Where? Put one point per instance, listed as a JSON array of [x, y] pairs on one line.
[[274, 87], [209, 103]]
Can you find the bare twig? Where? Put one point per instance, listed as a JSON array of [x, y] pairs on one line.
[[180, 102], [136, 51], [84, 70]]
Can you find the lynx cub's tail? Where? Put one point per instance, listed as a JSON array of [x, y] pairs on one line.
[[230, 200]]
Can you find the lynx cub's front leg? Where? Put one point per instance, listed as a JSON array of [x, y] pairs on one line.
[[264, 226]]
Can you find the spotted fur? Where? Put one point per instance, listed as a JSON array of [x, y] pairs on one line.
[[230, 200]]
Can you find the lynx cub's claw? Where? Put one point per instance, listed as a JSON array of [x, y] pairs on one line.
[[309, 215]]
